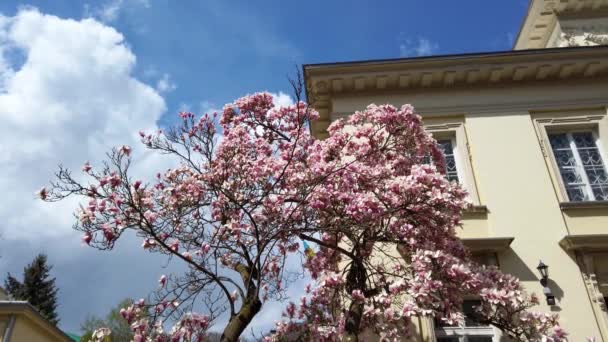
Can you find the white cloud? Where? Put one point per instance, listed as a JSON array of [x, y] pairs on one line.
[[109, 12], [510, 39], [71, 100], [209, 108], [281, 99], [417, 47], [111, 9], [165, 85]]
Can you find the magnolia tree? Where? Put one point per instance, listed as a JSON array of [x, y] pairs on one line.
[[225, 212], [371, 197], [386, 221]]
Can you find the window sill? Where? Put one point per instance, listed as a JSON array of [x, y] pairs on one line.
[[480, 209], [584, 243], [489, 244], [475, 211], [583, 205]]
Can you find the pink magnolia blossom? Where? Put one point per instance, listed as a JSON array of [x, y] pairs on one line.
[[87, 238], [205, 248], [126, 150], [42, 193], [86, 167]]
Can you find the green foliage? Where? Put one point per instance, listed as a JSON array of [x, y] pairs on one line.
[[113, 320], [37, 288]]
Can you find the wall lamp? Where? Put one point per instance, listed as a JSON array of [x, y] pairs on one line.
[[543, 269]]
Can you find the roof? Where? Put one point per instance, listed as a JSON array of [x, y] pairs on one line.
[[469, 57], [458, 69], [487, 70], [26, 309]]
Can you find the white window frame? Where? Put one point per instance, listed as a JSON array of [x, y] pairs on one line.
[[565, 121], [462, 179], [579, 163], [453, 129], [463, 332]]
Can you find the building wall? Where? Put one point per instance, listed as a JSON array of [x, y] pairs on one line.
[[513, 179], [25, 329]]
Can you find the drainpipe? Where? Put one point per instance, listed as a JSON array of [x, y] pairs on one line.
[[9, 329]]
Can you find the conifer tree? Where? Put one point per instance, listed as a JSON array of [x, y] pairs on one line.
[[37, 288]]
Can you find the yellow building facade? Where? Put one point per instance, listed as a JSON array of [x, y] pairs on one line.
[[526, 132], [20, 322]]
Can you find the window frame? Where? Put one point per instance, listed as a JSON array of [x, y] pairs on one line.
[[571, 121], [576, 154], [463, 332], [453, 129], [457, 157]]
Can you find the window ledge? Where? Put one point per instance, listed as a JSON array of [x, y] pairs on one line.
[[583, 205], [490, 244], [591, 242], [475, 210], [479, 209]]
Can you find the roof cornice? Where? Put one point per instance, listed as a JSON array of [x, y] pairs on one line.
[[542, 17], [455, 70]]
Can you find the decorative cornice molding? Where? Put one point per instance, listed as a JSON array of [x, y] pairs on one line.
[[585, 243], [568, 120], [446, 126], [454, 72], [543, 15]]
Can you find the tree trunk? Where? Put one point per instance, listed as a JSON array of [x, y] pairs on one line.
[[353, 322], [241, 320]]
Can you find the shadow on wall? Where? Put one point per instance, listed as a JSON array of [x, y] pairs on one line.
[[511, 263], [557, 292]]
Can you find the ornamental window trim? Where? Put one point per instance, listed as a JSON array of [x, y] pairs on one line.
[[466, 332], [592, 120], [453, 129], [580, 168]]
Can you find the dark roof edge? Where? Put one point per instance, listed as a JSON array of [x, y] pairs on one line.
[[464, 56]]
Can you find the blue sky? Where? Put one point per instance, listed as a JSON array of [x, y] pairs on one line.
[[76, 79], [215, 51]]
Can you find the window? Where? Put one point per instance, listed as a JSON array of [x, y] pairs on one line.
[[471, 331], [580, 165], [451, 137], [451, 168], [485, 258], [448, 149]]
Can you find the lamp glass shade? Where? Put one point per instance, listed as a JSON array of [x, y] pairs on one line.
[[543, 269]]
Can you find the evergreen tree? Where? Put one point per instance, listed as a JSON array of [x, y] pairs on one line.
[[37, 288]]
